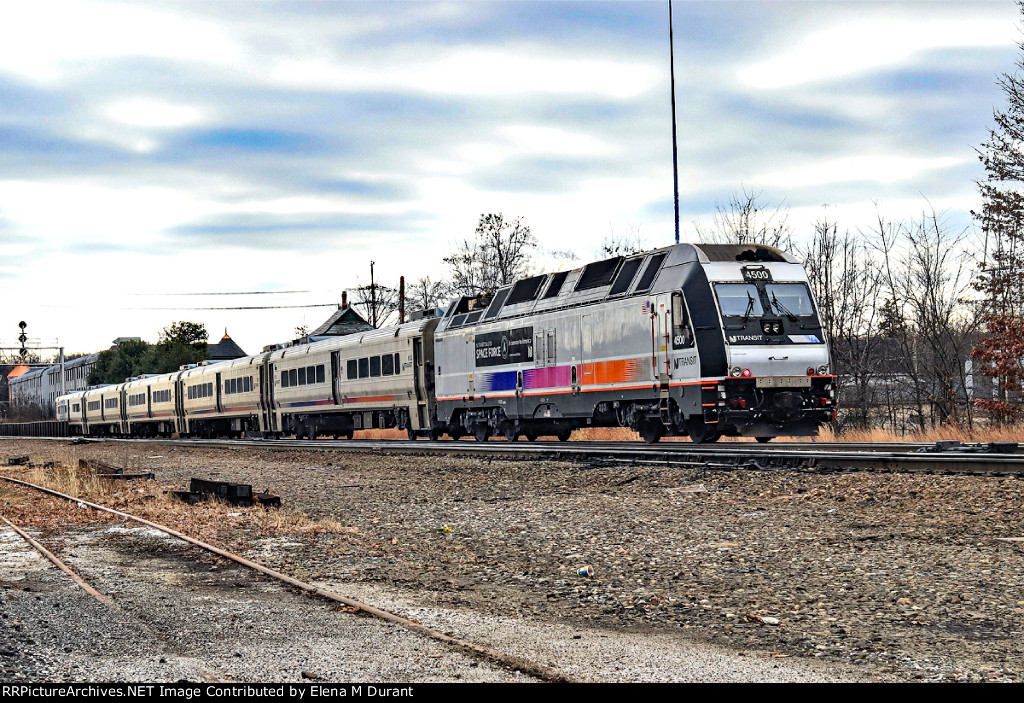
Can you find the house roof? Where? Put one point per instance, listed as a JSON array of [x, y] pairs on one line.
[[224, 349], [344, 321]]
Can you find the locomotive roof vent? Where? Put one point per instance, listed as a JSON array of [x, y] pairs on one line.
[[743, 252], [599, 273]]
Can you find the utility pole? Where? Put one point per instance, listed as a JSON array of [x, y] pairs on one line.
[[373, 297], [675, 149]]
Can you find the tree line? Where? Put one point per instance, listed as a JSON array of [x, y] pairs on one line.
[[179, 343]]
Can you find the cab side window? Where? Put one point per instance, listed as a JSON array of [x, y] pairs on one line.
[[682, 333]]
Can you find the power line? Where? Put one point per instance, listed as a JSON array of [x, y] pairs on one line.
[[244, 307], [250, 292]]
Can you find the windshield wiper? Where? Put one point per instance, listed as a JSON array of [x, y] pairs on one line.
[[782, 308], [750, 308]]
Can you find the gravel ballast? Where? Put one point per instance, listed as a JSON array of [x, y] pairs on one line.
[[770, 575]]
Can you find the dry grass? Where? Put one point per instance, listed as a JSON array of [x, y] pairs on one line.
[[1006, 433], [211, 521], [381, 434], [1012, 433]]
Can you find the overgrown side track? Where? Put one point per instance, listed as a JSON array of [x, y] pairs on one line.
[[536, 670]]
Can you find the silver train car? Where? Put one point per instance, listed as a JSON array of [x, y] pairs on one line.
[[375, 379], [698, 340]]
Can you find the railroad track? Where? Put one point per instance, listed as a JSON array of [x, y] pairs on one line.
[[536, 670], [836, 456], [909, 458]]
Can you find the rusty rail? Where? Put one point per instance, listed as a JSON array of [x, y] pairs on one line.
[[59, 564], [534, 669]]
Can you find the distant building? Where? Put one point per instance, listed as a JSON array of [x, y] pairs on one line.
[[224, 350], [343, 321]]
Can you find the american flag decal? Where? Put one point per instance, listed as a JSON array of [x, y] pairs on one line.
[[647, 307]]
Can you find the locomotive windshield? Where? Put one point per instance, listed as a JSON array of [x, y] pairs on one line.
[[739, 299], [747, 300], [789, 298]]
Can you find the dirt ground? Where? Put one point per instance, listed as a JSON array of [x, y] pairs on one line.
[[899, 577]]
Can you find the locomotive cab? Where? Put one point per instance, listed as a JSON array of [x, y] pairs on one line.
[[778, 379]]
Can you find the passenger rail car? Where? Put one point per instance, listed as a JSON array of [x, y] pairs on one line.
[[703, 340], [377, 379]]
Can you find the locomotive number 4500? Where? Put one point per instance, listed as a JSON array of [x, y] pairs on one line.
[[751, 275]]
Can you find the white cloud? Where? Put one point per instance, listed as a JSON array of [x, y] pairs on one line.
[[849, 48], [493, 71], [149, 112], [47, 41], [537, 139], [876, 168]]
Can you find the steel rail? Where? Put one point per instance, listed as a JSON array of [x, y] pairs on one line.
[[810, 456], [732, 455], [59, 564], [534, 669]]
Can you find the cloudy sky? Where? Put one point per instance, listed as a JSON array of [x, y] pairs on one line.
[[152, 151]]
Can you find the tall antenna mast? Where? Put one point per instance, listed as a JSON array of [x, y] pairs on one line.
[[675, 152]]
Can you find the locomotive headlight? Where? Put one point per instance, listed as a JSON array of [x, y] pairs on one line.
[[823, 370], [735, 371], [776, 328]]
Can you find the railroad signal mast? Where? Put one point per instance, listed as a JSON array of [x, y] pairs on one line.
[[24, 348]]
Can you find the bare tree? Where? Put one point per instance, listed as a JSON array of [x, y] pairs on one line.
[[926, 279], [745, 219], [499, 253], [845, 279], [378, 303], [625, 244], [426, 294]]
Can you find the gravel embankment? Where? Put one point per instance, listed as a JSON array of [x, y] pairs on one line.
[[891, 576]]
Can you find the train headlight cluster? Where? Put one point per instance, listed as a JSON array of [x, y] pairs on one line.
[[735, 371], [823, 370]]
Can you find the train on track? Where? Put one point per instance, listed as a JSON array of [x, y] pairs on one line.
[[703, 340]]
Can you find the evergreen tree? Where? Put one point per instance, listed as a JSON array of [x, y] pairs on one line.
[[1000, 354], [180, 343]]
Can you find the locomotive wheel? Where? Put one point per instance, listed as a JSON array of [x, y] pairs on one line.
[[700, 433], [411, 433], [350, 434], [563, 435], [482, 433], [763, 440], [531, 435], [510, 432], [456, 436], [652, 431]]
